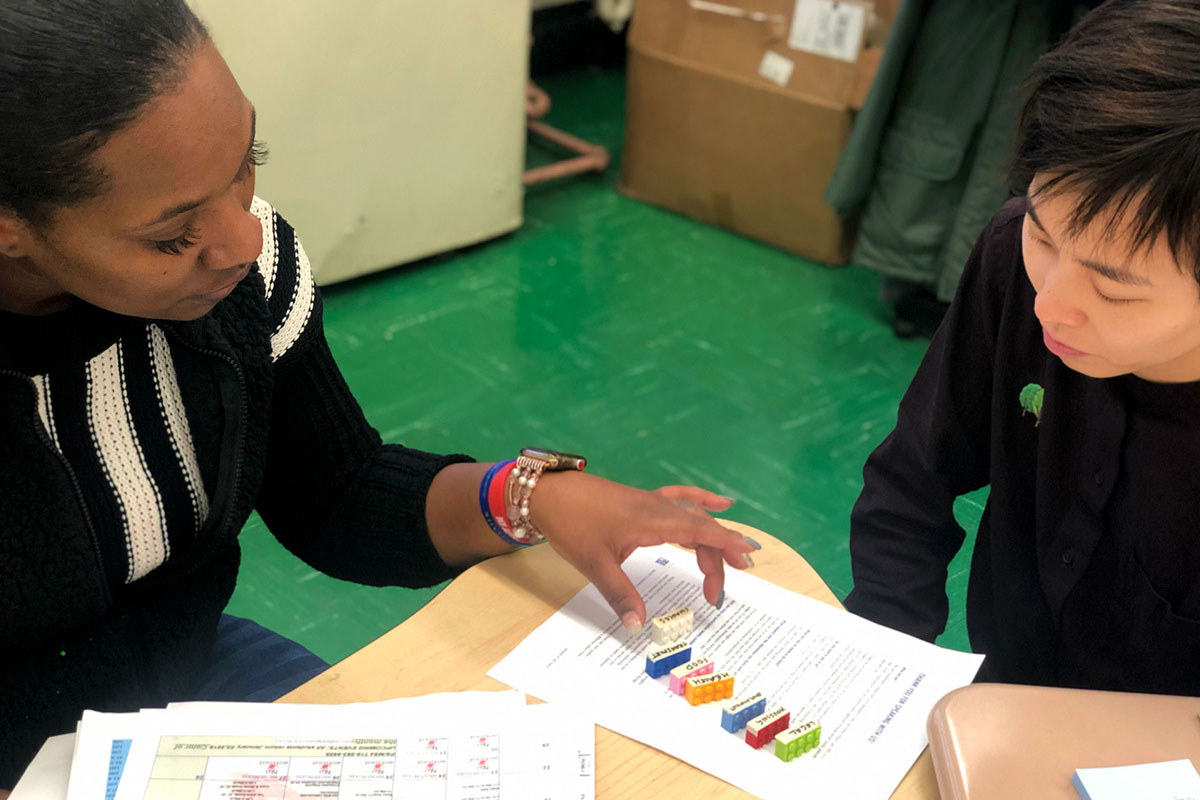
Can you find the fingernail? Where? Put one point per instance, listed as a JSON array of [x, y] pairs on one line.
[[631, 622], [730, 499], [720, 599], [756, 545], [749, 560]]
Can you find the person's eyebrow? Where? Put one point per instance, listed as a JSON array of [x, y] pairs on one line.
[[1118, 274], [175, 211], [1029, 209]]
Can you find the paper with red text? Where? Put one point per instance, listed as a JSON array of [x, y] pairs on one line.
[[449, 750]]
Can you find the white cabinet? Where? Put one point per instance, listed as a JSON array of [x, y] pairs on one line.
[[396, 127]]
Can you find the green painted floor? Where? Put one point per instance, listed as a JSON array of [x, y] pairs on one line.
[[665, 350]]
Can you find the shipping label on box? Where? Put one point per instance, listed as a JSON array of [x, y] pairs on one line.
[[776, 68], [828, 28]]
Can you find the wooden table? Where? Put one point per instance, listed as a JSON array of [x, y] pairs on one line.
[[452, 642]]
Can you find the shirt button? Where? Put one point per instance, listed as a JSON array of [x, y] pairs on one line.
[[1068, 557], [1099, 478]]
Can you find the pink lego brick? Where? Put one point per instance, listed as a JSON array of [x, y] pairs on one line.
[[697, 666]]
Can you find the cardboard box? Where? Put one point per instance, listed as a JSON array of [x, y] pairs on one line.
[[721, 129]]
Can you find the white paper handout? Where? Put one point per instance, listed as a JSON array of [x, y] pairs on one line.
[[101, 748], [46, 776], [870, 688]]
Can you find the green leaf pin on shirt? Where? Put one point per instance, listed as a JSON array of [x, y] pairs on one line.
[[1032, 397]]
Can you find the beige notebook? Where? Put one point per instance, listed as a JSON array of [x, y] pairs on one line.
[[995, 741]]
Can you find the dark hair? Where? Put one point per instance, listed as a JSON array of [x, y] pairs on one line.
[[73, 73], [1113, 116]]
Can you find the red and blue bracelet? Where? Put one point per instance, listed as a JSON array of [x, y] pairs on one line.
[[491, 501]]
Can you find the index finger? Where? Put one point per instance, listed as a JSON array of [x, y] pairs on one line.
[[618, 591]]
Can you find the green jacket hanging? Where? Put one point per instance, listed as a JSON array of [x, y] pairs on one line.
[[926, 164]]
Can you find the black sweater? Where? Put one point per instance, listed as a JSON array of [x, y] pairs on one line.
[[1083, 569], [131, 454]]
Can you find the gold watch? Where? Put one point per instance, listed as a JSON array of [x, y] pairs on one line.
[[531, 464]]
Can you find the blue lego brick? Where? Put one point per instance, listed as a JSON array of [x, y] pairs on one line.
[[736, 714], [661, 660]]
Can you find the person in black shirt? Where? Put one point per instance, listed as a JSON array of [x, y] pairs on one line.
[[1066, 376], [164, 372]]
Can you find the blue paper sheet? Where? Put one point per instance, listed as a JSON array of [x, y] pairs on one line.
[[116, 766]]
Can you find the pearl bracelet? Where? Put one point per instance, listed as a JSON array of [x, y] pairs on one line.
[[521, 483]]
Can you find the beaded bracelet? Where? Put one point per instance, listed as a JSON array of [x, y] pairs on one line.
[[525, 476]]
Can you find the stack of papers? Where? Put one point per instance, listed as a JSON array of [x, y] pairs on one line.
[[455, 746], [1162, 780]]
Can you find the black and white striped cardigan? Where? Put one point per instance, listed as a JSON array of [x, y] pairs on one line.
[[131, 454]]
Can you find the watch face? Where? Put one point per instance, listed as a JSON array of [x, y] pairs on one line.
[[555, 460]]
